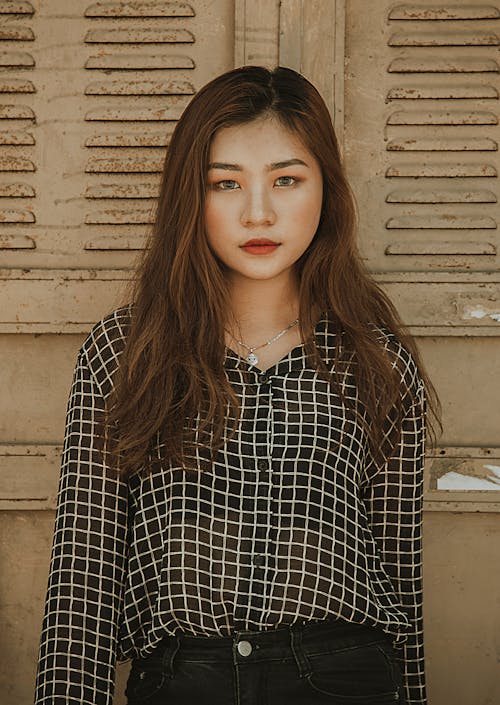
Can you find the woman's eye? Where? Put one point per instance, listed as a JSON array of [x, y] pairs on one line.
[[221, 185], [290, 183]]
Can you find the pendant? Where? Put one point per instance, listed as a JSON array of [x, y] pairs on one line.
[[252, 358]]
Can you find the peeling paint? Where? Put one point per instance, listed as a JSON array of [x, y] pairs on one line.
[[495, 469], [478, 312], [457, 481]]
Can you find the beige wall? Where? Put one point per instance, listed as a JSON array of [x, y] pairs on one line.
[[88, 103]]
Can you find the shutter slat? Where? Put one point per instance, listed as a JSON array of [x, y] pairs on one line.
[[172, 87], [443, 117], [444, 92], [120, 191], [16, 85], [418, 247], [140, 9], [14, 215], [441, 196], [17, 190], [444, 12], [441, 222], [16, 59], [16, 112], [441, 170], [438, 64], [16, 164], [470, 144], [16, 138], [16, 242], [125, 165], [18, 34], [16, 8], [136, 35], [136, 62], [431, 39], [139, 114], [115, 243], [124, 139], [131, 216]]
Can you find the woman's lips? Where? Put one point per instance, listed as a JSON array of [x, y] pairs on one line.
[[260, 247]]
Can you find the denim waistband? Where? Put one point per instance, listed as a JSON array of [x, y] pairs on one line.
[[276, 643]]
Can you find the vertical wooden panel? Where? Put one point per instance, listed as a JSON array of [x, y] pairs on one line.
[[256, 32], [312, 42]]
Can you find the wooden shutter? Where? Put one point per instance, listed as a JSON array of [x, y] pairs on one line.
[[91, 93], [421, 142]]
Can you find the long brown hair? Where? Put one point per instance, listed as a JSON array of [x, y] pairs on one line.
[[171, 372]]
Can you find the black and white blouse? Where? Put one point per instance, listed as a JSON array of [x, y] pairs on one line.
[[289, 525]]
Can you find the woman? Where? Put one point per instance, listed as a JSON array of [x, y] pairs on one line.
[[240, 503]]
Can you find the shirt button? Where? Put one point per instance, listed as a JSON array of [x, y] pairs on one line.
[[262, 464], [244, 648]]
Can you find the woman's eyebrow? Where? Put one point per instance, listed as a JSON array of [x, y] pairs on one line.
[[269, 167]]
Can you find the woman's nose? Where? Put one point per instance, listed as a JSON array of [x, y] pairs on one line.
[[258, 208]]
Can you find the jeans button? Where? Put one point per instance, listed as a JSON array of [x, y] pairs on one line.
[[244, 648]]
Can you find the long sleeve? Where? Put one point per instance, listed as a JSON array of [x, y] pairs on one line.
[[393, 500], [78, 644]]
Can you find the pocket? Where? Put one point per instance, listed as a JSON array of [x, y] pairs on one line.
[[145, 681], [367, 674]]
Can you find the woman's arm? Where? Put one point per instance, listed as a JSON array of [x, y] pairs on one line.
[[393, 499], [87, 572]]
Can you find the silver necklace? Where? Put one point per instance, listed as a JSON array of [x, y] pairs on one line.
[[252, 358]]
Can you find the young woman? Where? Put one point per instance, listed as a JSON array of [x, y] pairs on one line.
[[240, 504]]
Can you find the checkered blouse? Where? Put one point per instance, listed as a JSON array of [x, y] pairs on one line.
[[290, 526]]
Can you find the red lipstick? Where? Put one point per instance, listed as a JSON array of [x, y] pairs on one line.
[[260, 246]]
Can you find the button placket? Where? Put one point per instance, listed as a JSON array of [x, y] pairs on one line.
[[262, 501]]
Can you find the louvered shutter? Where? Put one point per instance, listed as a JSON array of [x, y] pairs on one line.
[[91, 94], [421, 144]]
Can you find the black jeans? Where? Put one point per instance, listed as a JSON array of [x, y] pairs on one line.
[[310, 664]]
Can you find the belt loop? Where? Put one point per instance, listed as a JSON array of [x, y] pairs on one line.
[[296, 631], [171, 649]]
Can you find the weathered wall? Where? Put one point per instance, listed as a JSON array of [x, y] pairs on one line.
[[89, 96]]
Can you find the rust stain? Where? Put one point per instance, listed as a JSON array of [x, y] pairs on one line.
[[16, 34], [125, 165], [119, 217], [13, 138], [16, 216], [140, 88], [16, 112], [16, 164], [140, 9], [139, 36], [17, 190], [17, 242], [121, 191], [122, 139], [14, 85]]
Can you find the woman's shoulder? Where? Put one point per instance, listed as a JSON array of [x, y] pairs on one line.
[[401, 356], [105, 343]]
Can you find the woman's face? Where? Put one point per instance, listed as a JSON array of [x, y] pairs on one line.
[[263, 184]]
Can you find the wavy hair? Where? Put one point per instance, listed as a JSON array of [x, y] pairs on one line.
[[170, 383]]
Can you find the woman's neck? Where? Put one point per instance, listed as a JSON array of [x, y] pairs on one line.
[[261, 308]]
